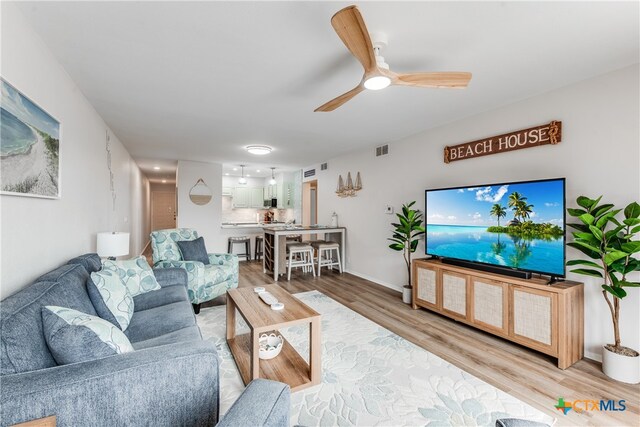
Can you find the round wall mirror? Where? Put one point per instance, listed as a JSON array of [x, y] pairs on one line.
[[200, 194]]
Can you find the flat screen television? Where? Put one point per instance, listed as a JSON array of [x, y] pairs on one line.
[[518, 226]]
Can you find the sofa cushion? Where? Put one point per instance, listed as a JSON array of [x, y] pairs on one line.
[[22, 345], [74, 337], [158, 321], [171, 276], [166, 295], [194, 250], [90, 262], [115, 298], [135, 273], [191, 333]]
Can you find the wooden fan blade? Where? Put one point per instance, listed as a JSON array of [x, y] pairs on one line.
[[350, 27], [456, 80], [337, 102]]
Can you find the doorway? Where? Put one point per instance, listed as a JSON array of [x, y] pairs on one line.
[[310, 202], [163, 210]]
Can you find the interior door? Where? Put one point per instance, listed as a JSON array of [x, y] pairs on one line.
[[313, 207], [163, 210]]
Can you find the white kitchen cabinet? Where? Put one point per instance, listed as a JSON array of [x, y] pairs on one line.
[[241, 197], [248, 197], [270, 191], [256, 196]]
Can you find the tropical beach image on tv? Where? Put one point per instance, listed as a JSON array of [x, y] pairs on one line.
[[29, 146], [516, 225]]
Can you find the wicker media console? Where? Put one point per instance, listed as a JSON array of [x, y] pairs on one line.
[[546, 318]]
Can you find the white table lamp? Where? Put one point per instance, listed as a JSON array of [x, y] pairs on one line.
[[112, 244]]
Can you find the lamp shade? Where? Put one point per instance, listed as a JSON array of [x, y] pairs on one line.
[[113, 244]]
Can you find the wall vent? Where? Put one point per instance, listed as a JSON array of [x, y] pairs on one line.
[[309, 173], [324, 167], [383, 150]]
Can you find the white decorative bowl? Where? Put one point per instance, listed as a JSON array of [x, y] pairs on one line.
[[270, 345]]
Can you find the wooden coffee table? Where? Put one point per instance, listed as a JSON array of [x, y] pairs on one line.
[[288, 367]]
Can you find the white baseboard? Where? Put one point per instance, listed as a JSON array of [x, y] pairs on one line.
[[596, 357], [376, 281]]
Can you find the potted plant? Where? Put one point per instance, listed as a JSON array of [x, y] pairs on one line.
[[610, 242], [405, 239]]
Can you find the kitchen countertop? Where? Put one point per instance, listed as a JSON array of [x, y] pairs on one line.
[[243, 225], [316, 228]]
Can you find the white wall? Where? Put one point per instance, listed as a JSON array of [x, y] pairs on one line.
[[206, 219], [41, 234], [599, 154]]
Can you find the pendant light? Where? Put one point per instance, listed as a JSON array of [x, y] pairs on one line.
[[272, 181], [242, 179]]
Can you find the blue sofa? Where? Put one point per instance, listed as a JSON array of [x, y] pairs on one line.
[[170, 379]]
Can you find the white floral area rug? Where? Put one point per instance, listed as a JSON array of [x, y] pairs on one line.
[[372, 377]]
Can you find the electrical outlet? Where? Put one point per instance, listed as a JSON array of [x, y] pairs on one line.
[[388, 210]]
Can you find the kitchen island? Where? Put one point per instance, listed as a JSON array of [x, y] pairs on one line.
[[274, 260]]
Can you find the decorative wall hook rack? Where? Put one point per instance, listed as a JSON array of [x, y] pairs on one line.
[[349, 189]]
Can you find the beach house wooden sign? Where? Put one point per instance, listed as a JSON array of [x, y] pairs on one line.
[[550, 133]]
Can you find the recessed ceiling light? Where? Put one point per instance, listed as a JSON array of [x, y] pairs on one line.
[[258, 170], [156, 168], [227, 173], [248, 176], [259, 150], [164, 181], [235, 169]]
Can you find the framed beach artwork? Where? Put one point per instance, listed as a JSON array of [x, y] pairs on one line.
[[29, 147]]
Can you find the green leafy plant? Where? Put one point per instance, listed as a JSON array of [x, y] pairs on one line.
[[602, 237], [406, 234]]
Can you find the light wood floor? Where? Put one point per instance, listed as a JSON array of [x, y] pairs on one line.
[[528, 375]]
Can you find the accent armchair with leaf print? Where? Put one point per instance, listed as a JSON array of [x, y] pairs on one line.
[[205, 282]]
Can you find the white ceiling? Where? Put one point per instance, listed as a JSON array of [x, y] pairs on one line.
[[201, 80]]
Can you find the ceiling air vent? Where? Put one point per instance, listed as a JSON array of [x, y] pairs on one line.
[[309, 173], [383, 150], [324, 167]]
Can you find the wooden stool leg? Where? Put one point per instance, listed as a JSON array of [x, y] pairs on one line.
[[291, 256], [339, 260], [229, 247], [247, 248]]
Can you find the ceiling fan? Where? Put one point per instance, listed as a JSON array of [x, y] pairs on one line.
[[349, 25]]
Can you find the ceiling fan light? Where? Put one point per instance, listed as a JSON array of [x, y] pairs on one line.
[[377, 82], [259, 150]]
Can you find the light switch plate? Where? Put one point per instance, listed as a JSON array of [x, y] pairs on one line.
[[388, 210]]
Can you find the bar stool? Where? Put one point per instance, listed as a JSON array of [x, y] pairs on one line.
[[300, 255], [240, 240], [325, 255], [258, 247]]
